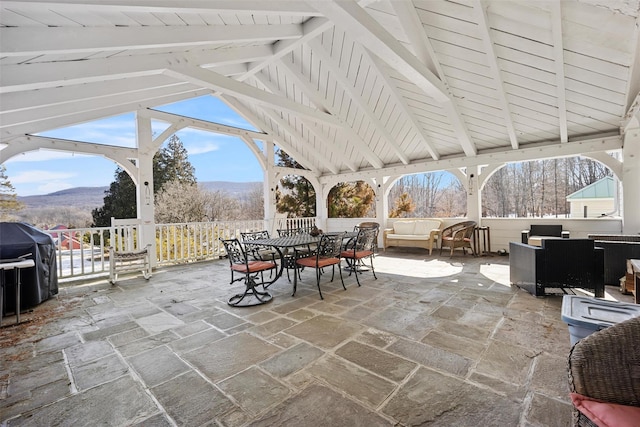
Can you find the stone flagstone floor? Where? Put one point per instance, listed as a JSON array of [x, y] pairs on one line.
[[434, 341]]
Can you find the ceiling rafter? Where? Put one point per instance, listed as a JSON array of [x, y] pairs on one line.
[[203, 124], [22, 101], [320, 102], [312, 28], [485, 31], [33, 143], [34, 41], [214, 81], [558, 54], [23, 77], [259, 123], [271, 7], [330, 145], [71, 108], [354, 19], [43, 125], [402, 104], [425, 55], [530, 152], [347, 86]]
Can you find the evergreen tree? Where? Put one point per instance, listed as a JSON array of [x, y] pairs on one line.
[[299, 197], [9, 203], [351, 200], [169, 164]]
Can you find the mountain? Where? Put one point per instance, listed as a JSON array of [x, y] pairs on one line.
[[78, 197], [92, 197]]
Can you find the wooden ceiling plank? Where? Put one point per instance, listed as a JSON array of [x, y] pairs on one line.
[[330, 145], [318, 99], [347, 85], [214, 81]]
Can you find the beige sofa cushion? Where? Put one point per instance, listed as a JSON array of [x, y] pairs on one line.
[[424, 226], [404, 227]]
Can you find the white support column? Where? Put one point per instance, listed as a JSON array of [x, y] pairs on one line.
[[322, 209], [631, 179], [382, 188], [269, 188], [474, 206], [144, 184]]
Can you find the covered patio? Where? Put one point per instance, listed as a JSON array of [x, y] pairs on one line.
[[352, 90], [438, 341]]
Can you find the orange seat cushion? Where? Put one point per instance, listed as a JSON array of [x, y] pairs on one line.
[[254, 266], [322, 262], [358, 254]]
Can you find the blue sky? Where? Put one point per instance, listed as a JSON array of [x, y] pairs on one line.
[[215, 157]]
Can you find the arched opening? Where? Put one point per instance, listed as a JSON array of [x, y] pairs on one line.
[[352, 200], [427, 195], [552, 188]]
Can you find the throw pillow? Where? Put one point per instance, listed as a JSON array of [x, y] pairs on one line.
[[606, 414]]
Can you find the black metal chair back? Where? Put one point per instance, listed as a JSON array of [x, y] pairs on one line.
[[362, 247], [258, 252], [250, 270], [327, 253]]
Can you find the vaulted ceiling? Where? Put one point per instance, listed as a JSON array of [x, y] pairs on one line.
[[342, 86]]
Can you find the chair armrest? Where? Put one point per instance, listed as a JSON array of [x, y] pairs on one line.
[[435, 233], [565, 234]]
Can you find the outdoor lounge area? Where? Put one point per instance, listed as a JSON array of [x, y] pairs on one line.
[[434, 341]]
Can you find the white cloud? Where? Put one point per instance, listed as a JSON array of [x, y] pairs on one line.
[[52, 187], [42, 176], [202, 148], [44, 156]]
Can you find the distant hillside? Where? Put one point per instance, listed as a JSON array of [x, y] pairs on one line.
[[92, 197], [78, 197]]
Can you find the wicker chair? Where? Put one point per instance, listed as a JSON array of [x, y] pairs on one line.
[[458, 236], [606, 366]]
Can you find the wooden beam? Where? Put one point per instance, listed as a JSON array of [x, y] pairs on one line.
[[485, 31], [357, 22], [347, 86], [402, 104], [226, 85], [254, 120], [330, 145], [204, 125], [22, 77], [87, 116], [558, 54], [318, 99], [21, 41], [529, 152], [271, 7]]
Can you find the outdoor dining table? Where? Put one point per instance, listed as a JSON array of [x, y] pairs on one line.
[[282, 244]]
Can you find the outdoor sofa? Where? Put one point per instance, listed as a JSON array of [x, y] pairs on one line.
[[413, 233]]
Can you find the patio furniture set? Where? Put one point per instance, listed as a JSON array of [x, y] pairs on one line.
[[602, 367], [296, 250], [427, 232]]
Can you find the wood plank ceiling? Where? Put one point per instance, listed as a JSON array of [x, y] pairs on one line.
[[341, 86]]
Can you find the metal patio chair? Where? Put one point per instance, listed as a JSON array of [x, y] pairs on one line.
[[359, 249], [327, 253]]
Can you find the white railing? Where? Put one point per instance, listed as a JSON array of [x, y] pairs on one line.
[[84, 252]]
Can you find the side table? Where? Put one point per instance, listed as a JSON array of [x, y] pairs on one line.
[[16, 266], [485, 248], [635, 267]]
